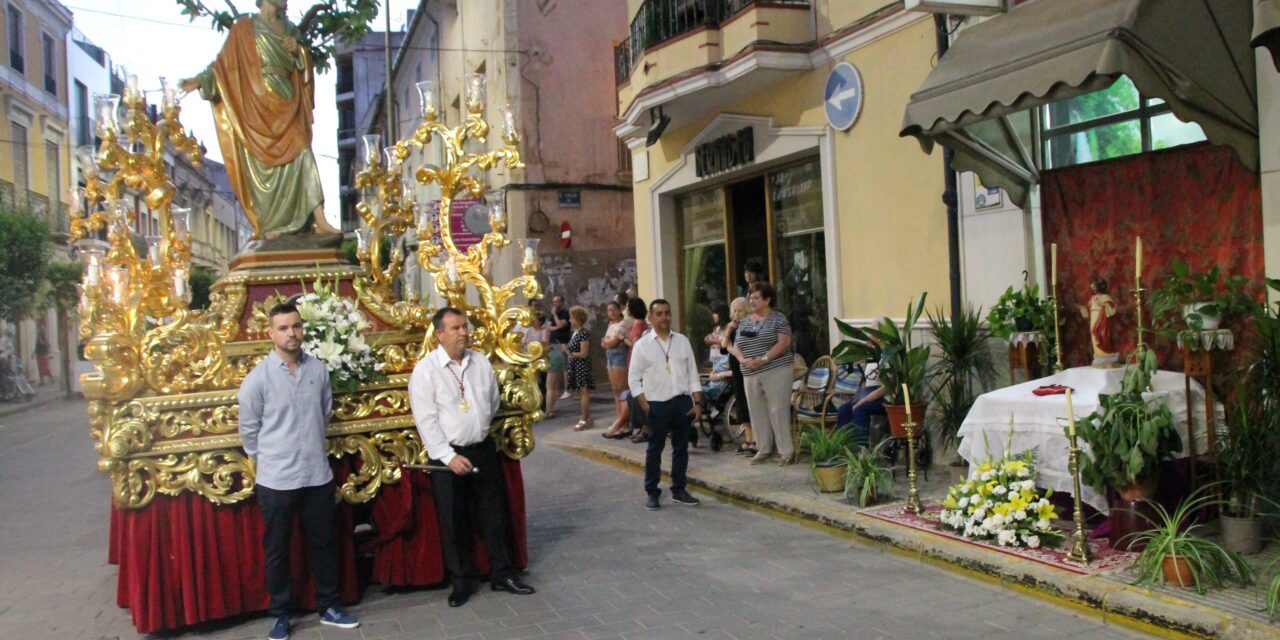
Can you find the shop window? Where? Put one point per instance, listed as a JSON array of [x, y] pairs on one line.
[[800, 256], [1111, 123], [703, 279]]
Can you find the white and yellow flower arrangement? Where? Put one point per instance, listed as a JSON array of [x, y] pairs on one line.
[[999, 502], [332, 332]]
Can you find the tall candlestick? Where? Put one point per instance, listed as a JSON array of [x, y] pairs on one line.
[[1137, 260], [1053, 263], [906, 399], [1071, 416]]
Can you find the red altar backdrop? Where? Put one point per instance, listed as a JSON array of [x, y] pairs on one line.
[[184, 560], [1196, 204]]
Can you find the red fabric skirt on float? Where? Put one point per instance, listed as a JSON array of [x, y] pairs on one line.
[[184, 560]]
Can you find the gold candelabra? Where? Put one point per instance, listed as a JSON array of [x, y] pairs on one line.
[[1079, 553], [123, 290], [913, 494], [1057, 334], [389, 207]]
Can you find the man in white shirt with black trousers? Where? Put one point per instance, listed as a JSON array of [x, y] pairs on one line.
[[663, 379], [454, 395]]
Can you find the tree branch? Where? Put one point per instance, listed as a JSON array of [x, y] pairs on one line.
[[310, 16], [235, 13]]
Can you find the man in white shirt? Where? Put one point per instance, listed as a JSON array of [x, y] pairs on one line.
[[663, 378], [454, 395]]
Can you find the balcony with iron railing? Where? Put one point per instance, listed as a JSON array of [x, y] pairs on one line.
[[671, 37]]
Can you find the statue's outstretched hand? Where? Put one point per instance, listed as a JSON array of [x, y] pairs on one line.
[[190, 84]]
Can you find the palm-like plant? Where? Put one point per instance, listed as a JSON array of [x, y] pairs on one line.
[[1175, 535], [867, 476], [898, 358], [824, 446], [964, 360]]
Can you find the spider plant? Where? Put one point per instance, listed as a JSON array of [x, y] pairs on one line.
[[1174, 535], [866, 475], [824, 446]]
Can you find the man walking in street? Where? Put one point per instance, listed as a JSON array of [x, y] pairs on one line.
[[454, 395], [663, 378], [285, 404]]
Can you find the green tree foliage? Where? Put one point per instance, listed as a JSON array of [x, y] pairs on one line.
[[202, 279], [321, 25], [24, 256], [1112, 141], [62, 277]]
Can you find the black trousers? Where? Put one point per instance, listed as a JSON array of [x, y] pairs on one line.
[[668, 418], [455, 496], [315, 507]]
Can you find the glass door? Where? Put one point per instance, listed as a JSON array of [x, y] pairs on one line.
[[800, 256], [703, 278]]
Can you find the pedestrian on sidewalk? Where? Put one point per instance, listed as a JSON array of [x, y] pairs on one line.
[[636, 418], [453, 394], [285, 405], [738, 310], [663, 377], [581, 380], [615, 355], [762, 345], [558, 334]]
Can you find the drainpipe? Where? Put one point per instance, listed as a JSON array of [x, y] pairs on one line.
[[386, 50], [950, 193]]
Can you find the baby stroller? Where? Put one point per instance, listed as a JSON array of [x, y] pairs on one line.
[[720, 420], [14, 385]]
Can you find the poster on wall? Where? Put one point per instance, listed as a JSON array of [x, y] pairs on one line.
[[986, 197], [468, 221]]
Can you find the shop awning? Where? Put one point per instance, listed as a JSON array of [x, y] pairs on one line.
[[980, 99]]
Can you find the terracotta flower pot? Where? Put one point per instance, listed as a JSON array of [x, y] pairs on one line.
[[830, 479], [959, 472], [897, 414], [1177, 571], [1140, 490]]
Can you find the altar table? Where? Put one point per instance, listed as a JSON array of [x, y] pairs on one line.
[[1039, 422]]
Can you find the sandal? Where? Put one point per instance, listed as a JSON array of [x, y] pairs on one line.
[[582, 425], [617, 435]]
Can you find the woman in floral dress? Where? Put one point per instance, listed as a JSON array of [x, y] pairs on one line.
[[580, 379]]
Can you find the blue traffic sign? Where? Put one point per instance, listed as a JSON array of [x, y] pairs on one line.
[[843, 98]]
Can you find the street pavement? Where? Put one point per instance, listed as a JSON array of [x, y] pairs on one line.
[[604, 566]]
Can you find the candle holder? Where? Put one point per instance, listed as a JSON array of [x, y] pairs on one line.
[[1079, 553], [913, 495], [1141, 351]]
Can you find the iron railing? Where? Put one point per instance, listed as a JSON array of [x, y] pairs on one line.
[[658, 21]]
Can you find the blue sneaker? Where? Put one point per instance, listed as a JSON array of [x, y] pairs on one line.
[[336, 617], [280, 630]]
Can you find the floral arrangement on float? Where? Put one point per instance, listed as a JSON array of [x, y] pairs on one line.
[[332, 327], [999, 503]]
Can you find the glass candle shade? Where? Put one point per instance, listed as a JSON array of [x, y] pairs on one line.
[[497, 208], [153, 249], [180, 217], [427, 100], [169, 94], [87, 156], [91, 258], [364, 239], [118, 281], [510, 129], [107, 112], [475, 92], [530, 248], [372, 143], [181, 287]]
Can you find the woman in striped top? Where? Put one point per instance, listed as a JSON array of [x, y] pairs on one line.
[[763, 346]]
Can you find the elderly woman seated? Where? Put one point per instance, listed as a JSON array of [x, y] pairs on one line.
[[719, 385]]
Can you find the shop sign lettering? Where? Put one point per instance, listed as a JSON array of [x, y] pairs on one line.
[[724, 153]]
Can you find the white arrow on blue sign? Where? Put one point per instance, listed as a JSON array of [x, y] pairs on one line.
[[842, 99]]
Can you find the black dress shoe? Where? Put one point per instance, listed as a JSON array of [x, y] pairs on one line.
[[513, 585], [652, 503], [460, 595]]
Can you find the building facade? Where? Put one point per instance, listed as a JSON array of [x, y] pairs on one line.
[[36, 149], [361, 71], [723, 107], [551, 63]]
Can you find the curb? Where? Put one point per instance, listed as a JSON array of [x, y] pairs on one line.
[[23, 407], [1115, 602]]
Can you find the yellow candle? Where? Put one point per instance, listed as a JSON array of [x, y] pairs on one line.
[[1138, 260], [1053, 263], [1071, 416]]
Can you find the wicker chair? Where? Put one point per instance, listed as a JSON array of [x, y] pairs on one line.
[[808, 403]]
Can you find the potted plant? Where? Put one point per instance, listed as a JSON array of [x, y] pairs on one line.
[[899, 361], [867, 477], [1021, 310], [1246, 455], [1187, 301], [964, 361], [827, 465], [1126, 440], [1175, 553]]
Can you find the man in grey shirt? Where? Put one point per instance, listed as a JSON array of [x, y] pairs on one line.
[[285, 404]]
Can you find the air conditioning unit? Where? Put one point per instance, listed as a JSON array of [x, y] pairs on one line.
[[958, 7]]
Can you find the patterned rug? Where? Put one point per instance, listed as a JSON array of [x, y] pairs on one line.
[[1102, 556]]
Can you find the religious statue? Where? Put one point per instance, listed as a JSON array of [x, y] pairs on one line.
[[261, 86], [1099, 312]]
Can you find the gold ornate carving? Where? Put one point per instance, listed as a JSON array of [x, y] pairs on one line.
[[223, 477], [259, 320], [185, 356]]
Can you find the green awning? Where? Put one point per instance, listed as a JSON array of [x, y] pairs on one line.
[[981, 97]]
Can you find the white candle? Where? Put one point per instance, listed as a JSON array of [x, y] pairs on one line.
[[1071, 416], [1053, 263], [906, 399], [528, 254], [1138, 261], [453, 271]]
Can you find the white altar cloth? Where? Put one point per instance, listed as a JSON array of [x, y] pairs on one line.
[[1040, 421]]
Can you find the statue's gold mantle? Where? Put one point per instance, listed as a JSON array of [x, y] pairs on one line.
[[170, 425]]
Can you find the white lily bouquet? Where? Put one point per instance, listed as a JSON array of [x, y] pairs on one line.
[[1000, 502], [331, 332]]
